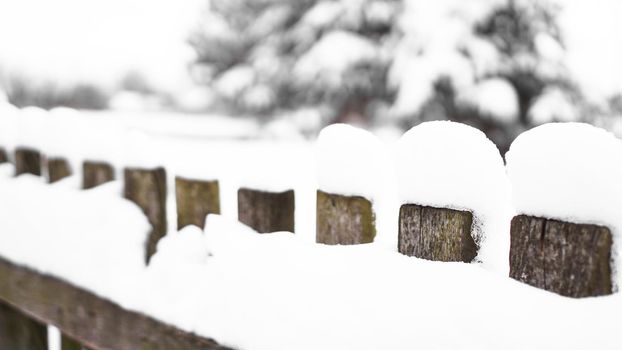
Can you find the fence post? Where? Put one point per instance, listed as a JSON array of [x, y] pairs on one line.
[[436, 233], [67, 343], [27, 161], [344, 219], [566, 258], [95, 174], [4, 158], [18, 332], [266, 211], [58, 169], [147, 188], [195, 199]]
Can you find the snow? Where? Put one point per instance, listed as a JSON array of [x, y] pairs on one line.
[[574, 178], [278, 291], [552, 105], [235, 80], [335, 52], [323, 14], [451, 165], [493, 97], [349, 161]]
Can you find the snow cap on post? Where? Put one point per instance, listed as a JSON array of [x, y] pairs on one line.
[[447, 165], [566, 180], [350, 177]]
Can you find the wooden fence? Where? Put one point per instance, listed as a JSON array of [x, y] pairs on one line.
[[566, 258]]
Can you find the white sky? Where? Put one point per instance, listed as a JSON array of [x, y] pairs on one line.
[[98, 40]]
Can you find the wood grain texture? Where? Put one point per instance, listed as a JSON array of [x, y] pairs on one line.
[[67, 343], [95, 322], [4, 157], [27, 161], [58, 169], [147, 188], [344, 219], [96, 173], [196, 199], [570, 259], [436, 233], [19, 332], [266, 211]]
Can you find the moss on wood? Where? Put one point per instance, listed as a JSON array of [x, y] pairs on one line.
[[58, 169], [27, 161], [147, 188], [67, 343], [196, 199], [344, 219], [266, 211], [96, 173], [570, 259], [19, 332], [436, 233]]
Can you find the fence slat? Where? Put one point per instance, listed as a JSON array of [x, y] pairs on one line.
[[27, 161], [96, 322], [196, 199], [96, 173], [4, 158], [147, 188], [566, 258], [18, 332], [436, 233], [266, 211], [344, 219], [58, 169]]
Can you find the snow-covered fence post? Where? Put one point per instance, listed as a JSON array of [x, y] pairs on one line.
[[453, 190], [96, 173], [27, 161], [349, 177], [4, 158], [19, 332], [266, 211], [58, 169], [196, 199], [147, 188], [560, 190]]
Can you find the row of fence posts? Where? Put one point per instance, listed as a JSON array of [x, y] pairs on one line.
[[566, 258]]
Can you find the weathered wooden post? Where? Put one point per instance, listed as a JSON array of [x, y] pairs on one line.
[[67, 343], [147, 188], [566, 258], [563, 177], [266, 211], [58, 169], [27, 161], [96, 173], [19, 332], [436, 233], [348, 176], [196, 199], [344, 219], [4, 158], [442, 166]]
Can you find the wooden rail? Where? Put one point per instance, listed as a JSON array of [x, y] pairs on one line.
[[95, 322]]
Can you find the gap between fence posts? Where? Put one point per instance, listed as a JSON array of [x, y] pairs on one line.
[[344, 219], [437, 234], [266, 212], [195, 200], [96, 173], [565, 258], [27, 161], [19, 332], [147, 188]]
